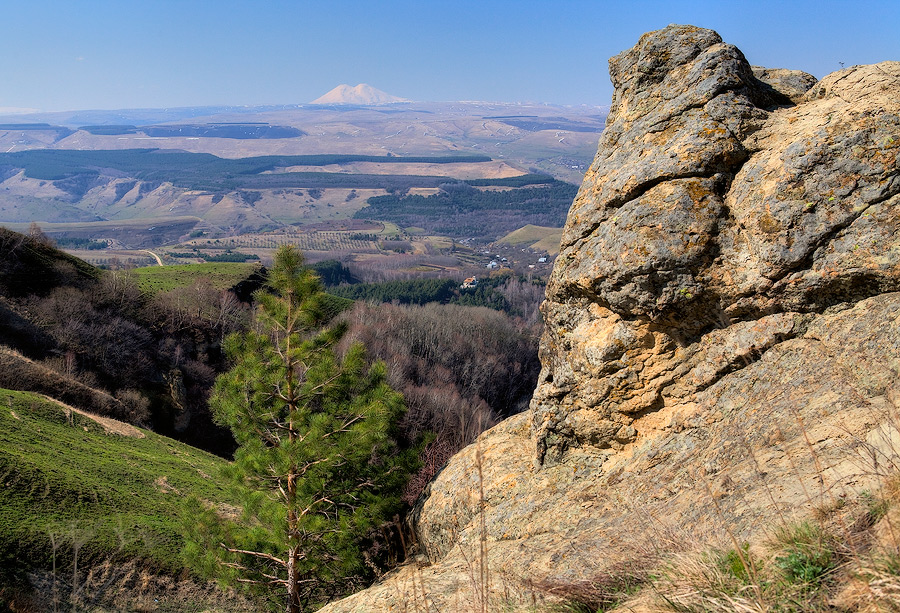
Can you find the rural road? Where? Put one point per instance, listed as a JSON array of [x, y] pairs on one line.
[[158, 259]]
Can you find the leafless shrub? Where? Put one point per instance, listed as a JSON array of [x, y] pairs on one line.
[[136, 406], [608, 587], [460, 370]]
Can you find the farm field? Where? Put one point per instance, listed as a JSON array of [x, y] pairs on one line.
[[539, 238], [121, 233], [306, 241]]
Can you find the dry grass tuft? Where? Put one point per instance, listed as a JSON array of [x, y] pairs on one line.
[[610, 587]]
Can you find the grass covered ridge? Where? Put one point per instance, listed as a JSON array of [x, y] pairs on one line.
[[536, 237], [69, 478]]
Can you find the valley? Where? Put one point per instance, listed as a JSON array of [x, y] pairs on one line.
[[436, 183]]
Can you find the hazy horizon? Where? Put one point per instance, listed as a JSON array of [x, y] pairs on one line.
[[105, 55]]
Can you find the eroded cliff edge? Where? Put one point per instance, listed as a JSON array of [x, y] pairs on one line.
[[721, 325]]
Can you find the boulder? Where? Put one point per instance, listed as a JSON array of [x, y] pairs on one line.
[[722, 333], [704, 211]]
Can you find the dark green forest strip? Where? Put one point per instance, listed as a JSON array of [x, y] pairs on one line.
[[425, 291], [461, 210], [110, 130], [248, 131], [412, 291], [203, 171], [519, 181], [551, 123], [305, 180], [54, 164]]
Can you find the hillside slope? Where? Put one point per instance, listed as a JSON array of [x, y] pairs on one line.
[[113, 489], [720, 361]]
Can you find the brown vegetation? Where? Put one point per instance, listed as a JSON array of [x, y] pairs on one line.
[[461, 370], [107, 587], [95, 341]]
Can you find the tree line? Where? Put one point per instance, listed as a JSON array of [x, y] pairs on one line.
[[181, 166], [514, 295]]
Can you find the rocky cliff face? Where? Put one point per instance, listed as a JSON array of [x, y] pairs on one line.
[[721, 330], [707, 213]]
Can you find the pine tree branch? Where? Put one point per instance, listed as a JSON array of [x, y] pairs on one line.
[[254, 419], [314, 390], [310, 464], [258, 554], [258, 582], [346, 425]]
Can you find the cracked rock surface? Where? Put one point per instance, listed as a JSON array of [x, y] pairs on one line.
[[722, 324], [710, 206]]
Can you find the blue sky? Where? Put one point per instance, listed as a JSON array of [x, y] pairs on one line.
[[96, 54]]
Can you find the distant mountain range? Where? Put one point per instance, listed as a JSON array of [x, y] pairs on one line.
[[362, 95]]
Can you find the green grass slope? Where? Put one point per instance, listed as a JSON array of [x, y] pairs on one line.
[[116, 487], [222, 275], [529, 234], [536, 237]]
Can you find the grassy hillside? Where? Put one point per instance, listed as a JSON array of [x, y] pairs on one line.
[[531, 234], [72, 329], [34, 266], [550, 244], [113, 487], [65, 471], [222, 275]]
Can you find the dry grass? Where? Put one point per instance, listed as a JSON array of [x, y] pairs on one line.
[[613, 586], [113, 426], [843, 556], [458, 170], [108, 587]]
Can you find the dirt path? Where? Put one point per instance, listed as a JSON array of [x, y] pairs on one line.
[[158, 259], [110, 425]]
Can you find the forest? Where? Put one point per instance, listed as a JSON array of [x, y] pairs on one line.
[[511, 294], [77, 171], [54, 164], [224, 130], [462, 210]]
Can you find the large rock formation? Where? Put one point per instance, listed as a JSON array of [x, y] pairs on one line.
[[720, 329]]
